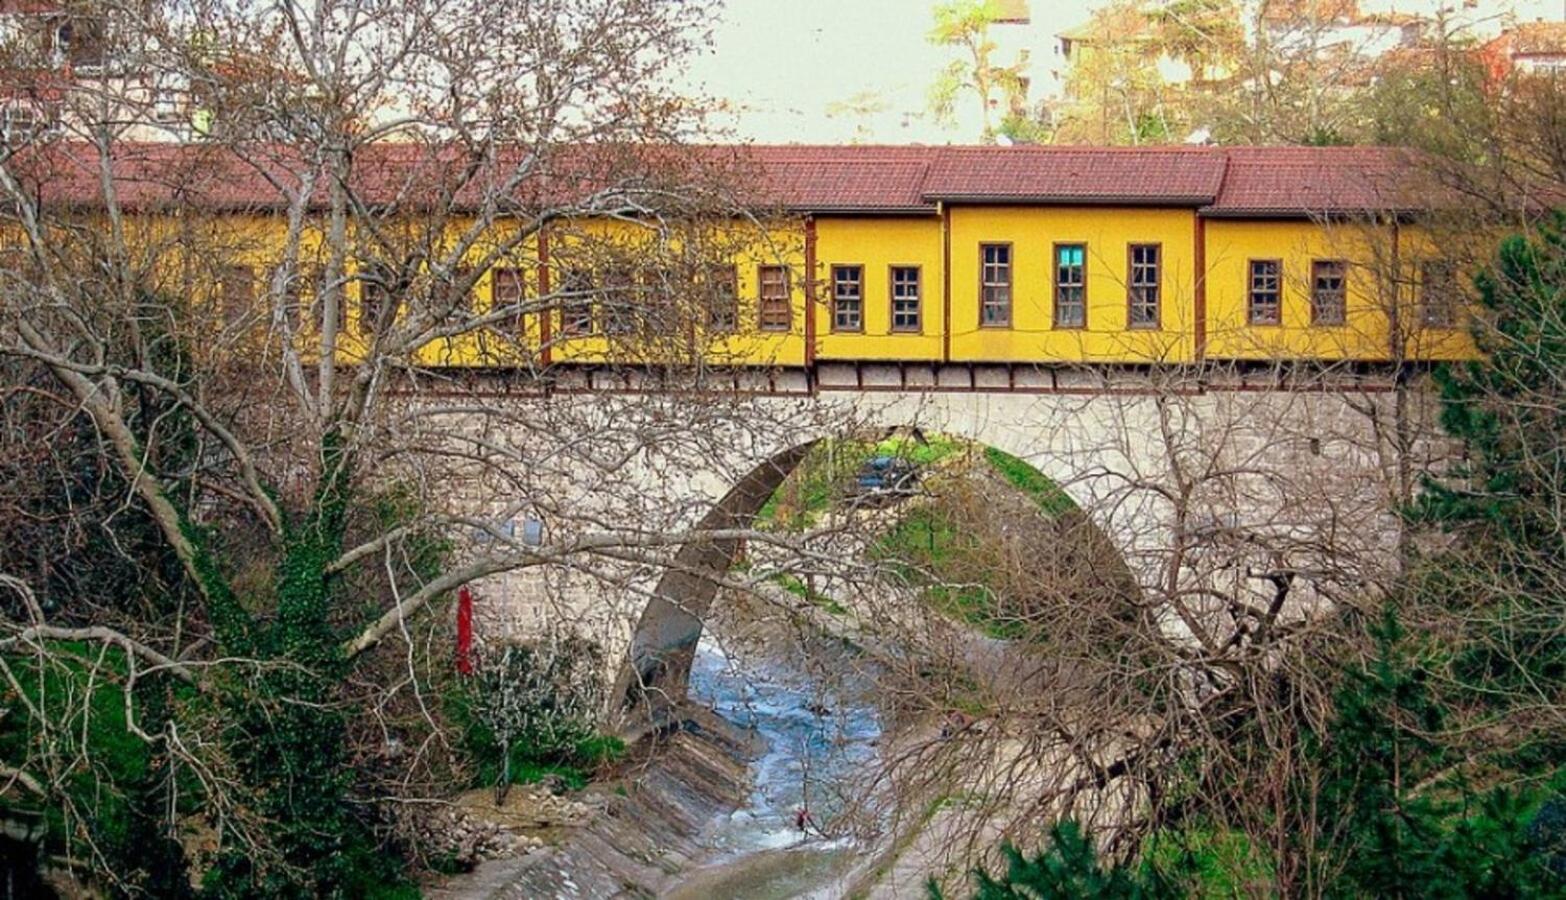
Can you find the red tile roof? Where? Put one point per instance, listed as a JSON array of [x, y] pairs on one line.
[[1537, 39], [1294, 181], [30, 7], [1248, 181], [1162, 176], [851, 178]]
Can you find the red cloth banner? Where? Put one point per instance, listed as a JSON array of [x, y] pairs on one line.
[[465, 631]]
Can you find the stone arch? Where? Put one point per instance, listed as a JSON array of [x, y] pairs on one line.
[[663, 646], [655, 673]]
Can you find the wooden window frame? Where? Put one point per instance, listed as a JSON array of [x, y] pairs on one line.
[[716, 274], [1251, 293], [1316, 318], [617, 301], [374, 278], [1011, 284], [579, 318], [892, 298], [469, 300], [1158, 287], [1452, 301], [859, 271], [787, 299], [1054, 256], [517, 277], [236, 306]]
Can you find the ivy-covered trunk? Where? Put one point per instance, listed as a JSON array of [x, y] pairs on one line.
[[288, 731]]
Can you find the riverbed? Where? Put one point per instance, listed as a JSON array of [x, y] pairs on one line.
[[794, 838]]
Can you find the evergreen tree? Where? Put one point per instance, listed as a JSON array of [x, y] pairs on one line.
[[1068, 868]]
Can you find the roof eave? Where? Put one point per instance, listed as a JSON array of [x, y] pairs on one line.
[[1173, 202], [1301, 214], [852, 210]]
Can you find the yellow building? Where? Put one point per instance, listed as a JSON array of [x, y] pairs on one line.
[[954, 256]]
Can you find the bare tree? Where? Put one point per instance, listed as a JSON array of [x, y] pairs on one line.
[[233, 351]]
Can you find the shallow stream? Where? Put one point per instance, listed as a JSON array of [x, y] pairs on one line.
[[792, 839]]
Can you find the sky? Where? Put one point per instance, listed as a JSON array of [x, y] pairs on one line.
[[786, 65]]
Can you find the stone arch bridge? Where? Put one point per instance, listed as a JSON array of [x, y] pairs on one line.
[[1204, 486]]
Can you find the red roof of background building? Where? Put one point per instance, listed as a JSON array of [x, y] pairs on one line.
[[30, 7], [1536, 39], [1245, 181]]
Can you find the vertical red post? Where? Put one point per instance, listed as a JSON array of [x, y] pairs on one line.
[[810, 294], [465, 631], [1199, 312], [546, 316]]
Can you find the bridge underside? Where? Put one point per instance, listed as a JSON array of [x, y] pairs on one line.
[[658, 664], [928, 377]]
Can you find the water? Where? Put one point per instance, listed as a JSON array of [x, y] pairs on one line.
[[818, 739]]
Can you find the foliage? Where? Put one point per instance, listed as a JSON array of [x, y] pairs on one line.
[[1414, 799], [1438, 104], [529, 711], [928, 547], [1207, 35], [82, 689], [800, 589], [1209, 862], [1045, 491], [288, 737], [965, 26], [814, 485], [1408, 822], [826, 473], [1416, 750], [1004, 560], [1117, 93], [1068, 867]]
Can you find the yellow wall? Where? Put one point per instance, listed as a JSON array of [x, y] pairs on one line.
[[746, 245], [1107, 232], [499, 344], [1372, 251], [782, 245], [877, 244]]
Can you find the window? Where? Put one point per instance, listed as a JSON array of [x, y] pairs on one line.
[[1143, 286], [1438, 294], [310, 282], [79, 42], [722, 296], [376, 292], [168, 106], [1328, 292], [1264, 304], [298, 293], [506, 290], [774, 306], [576, 302], [236, 293], [619, 301], [20, 122], [848, 298], [905, 298], [995, 285], [1070, 286]]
